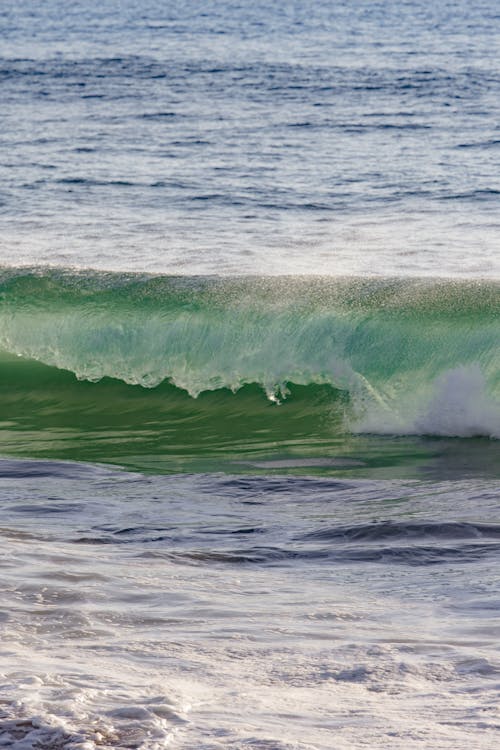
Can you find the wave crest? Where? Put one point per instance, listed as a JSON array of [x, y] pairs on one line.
[[414, 357]]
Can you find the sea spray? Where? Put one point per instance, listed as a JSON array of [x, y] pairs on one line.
[[457, 403], [398, 356]]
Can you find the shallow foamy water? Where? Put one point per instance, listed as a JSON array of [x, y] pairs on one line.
[[246, 612]]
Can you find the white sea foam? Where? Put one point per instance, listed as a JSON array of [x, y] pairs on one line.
[[458, 403], [461, 405], [113, 646], [46, 705]]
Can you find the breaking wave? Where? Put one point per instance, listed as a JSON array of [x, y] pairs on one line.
[[398, 356]]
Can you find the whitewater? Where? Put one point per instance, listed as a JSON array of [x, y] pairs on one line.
[[249, 375], [398, 356]]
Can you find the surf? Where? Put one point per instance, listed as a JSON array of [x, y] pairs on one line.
[[231, 363]]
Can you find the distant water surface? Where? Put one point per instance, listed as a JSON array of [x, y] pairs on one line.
[[297, 137]]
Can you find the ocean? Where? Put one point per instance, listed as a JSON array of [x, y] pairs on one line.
[[249, 375]]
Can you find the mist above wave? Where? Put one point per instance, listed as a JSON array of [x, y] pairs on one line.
[[413, 357]]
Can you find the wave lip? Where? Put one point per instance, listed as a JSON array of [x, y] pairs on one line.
[[417, 357]]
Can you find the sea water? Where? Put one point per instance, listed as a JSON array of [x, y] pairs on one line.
[[249, 375]]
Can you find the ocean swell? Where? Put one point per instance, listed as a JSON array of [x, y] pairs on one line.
[[411, 357]]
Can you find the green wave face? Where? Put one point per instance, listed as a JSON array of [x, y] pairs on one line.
[[176, 373]]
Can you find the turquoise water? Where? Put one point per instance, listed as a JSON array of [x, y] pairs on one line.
[[300, 374]]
